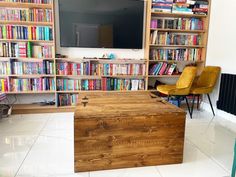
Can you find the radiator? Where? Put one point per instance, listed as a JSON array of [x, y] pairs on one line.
[[227, 96]]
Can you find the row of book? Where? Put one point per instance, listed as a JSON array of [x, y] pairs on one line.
[[68, 99], [191, 54], [26, 32], [33, 84], [25, 49], [76, 84], [109, 84], [175, 38], [77, 69], [123, 69], [3, 85], [177, 23], [162, 68], [33, 15], [181, 6], [30, 1], [20, 68]]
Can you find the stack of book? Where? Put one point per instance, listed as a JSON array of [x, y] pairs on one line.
[[117, 84], [201, 7], [183, 6], [162, 68], [5, 68], [31, 1], [162, 5], [68, 99], [191, 54], [123, 69], [4, 85], [26, 32], [33, 84], [20, 68], [34, 15]]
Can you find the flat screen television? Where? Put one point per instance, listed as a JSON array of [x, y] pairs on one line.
[[101, 23]]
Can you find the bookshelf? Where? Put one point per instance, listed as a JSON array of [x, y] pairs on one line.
[[74, 76], [27, 47], [176, 34]]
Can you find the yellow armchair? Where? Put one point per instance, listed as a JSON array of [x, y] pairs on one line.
[[183, 85], [205, 84]]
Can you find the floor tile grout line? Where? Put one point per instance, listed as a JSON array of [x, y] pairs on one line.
[[210, 157], [37, 137], [158, 171]]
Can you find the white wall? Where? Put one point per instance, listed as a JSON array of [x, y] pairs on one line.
[[222, 39]]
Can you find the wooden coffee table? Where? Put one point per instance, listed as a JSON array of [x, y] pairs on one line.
[[121, 130]]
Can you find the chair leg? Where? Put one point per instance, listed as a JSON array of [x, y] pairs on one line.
[[198, 98], [211, 104], [192, 106], [188, 106]]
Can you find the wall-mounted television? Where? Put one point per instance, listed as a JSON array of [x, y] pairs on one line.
[[101, 23]]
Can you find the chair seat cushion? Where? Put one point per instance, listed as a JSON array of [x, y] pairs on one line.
[[200, 90], [171, 90]]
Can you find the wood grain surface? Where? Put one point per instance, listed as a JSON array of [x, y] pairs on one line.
[[127, 130]]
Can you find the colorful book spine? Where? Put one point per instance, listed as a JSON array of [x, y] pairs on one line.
[[118, 84], [162, 68], [31, 1], [32, 84], [190, 54], [26, 32], [4, 85], [123, 69], [5, 68], [68, 99]]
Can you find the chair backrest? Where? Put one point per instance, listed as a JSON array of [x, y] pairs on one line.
[[187, 77], [208, 77]]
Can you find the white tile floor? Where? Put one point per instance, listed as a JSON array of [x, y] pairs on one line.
[[42, 146]]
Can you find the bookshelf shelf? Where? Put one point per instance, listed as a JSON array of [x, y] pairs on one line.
[[31, 92], [26, 23], [175, 61], [125, 76], [78, 77], [177, 46], [31, 76], [25, 5], [26, 59], [164, 76], [167, 14], [26, 40], [177, 30]]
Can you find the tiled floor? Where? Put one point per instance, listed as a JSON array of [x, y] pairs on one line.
[[42, 146]]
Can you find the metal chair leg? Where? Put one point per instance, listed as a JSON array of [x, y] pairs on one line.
[[211, 104], [188, 106], [192, 106], [198, 98]]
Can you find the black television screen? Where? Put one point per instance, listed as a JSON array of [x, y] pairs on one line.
[[101, 23]]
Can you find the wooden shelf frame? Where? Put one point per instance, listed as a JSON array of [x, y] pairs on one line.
[[26, 23], [204, 34], [25, 5]]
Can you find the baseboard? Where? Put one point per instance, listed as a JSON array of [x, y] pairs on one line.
[[220, 113]]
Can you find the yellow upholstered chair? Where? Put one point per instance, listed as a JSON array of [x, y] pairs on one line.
[[183, 85], [205, 84]]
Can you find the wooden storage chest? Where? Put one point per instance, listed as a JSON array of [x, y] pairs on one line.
[[127, 130]]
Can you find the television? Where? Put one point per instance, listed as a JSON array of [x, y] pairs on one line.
[[101, 23]]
